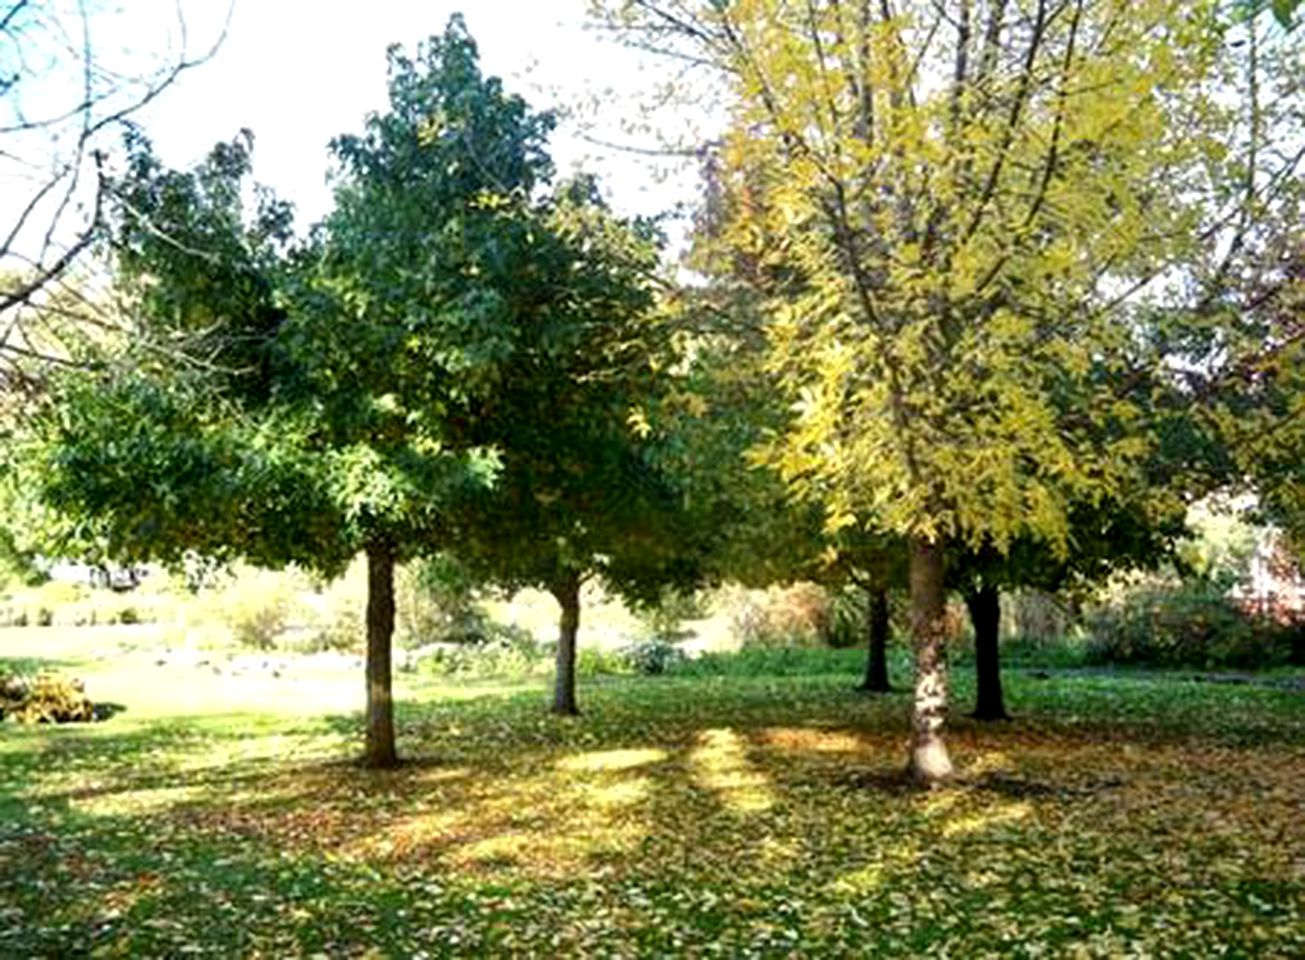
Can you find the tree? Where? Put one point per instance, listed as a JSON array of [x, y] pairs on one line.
[[962, 203], [581, 492], [1114, 535], [65, 98], [411, 309], [1284, 11], [327, 386]]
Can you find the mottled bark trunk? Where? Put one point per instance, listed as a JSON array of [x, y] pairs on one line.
[[930, 762], [985, 614], [380, 637], [567, 593], [877, 629]]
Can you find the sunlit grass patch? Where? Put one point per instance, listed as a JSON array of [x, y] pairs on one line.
[[680, 816]]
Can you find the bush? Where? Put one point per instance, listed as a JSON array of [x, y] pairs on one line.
[[593, 662], [1190, 624], [664, 617], [342, 631], [511, 652], [652, 657], [795, 616], [782, 662], [257, 617], [438, 602], [46, 698], [846, 626]]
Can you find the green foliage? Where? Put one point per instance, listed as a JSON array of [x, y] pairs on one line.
[[776, 661], [342, 632], [1284, 11], [664, 617], [200, 265], [500, 653], [653, 657], [594, 662], [582, 489], [438, 602], [17, 566], [846, 624], [1192, 623]]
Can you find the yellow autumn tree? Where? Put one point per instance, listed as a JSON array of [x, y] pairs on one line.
[[957, 214]]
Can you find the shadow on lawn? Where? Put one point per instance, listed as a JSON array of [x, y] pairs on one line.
[[35, 665], [668, 811]]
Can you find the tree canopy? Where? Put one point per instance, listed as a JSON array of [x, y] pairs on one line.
[[955, 217]]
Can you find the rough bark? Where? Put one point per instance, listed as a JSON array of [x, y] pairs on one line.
[[567, 594], [380, 637], [985, 614], [877, 630], [930, 761]]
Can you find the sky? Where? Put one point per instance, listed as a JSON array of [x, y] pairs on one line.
[[299, 72]]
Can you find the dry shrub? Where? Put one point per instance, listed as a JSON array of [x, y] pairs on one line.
[[47, 698], [797, 615]]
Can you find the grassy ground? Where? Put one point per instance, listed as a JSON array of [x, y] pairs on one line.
[[731, 814]]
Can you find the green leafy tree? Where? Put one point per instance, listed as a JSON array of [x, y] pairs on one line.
[[582, 491], [1284, 11], [408, 309], [323, 405]]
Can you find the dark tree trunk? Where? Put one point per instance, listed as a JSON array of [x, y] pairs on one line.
[[567, 593], [877, 628], [930, 762], [985, 614], [380, 636]]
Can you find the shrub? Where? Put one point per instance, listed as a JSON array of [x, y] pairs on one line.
[[1190, 624], [846, 625], [593, 662], [665, 616], [342, 631], [510, 652], [781, 662], [47, 698], [1037, 616], [792, 616], [652, 657], [438, 601], [257, 616]]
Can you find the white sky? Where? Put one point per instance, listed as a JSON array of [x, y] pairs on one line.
[[299, 72]]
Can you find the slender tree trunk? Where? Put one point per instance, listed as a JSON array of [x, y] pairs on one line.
[[930, 762], [380, 636], [877, 629], [567, 593], [985, 614]]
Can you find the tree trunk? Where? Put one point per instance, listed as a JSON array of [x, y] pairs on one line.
[[380, 636], [985, 614], [930, 762], [567, 593], [877, 629]]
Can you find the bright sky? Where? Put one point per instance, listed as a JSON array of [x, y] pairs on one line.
[[298, 72]]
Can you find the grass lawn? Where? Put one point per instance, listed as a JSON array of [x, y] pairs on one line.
[[700, 815]]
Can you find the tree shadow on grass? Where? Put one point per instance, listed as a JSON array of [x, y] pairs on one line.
[[668, 819], [35, 665]]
